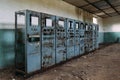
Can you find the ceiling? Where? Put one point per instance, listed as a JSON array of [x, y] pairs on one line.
[[101, 8]]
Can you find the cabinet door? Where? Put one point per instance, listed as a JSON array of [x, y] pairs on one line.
[[48, 40]]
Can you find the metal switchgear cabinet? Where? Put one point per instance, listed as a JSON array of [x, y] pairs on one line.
[[43, 40], [48, 40], [87, 37], [27, 39], [90, 37], [61, 49], [77, 38], [97, 31], [70, 38], [82, 35], [95, 36]]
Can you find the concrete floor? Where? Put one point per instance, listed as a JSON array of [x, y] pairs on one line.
[[103, 64]]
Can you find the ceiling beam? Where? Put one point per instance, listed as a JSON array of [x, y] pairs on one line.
[[98, 8], [106, 8], [83, 9], [112, 6], [89, 4], [89, 11]]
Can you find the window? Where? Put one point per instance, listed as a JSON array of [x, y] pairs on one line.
[[49, 22], [21, 19], [77, 25], [61, 23], [34, 21], [95, 20], [86, 27], [93, 27], [70, 25], [82, 26]]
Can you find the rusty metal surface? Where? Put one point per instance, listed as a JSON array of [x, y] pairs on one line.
[[61, 46], [49, 40], [77, 38], [82, 42], [70, 38], [28, 56]]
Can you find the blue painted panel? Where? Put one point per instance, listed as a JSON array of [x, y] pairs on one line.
[[48, 40], [51, 39], [33, 57], [87, 37], [60, 40], [33, 47], [77, 39], [70, 38], [33, 62], [82, 46], [95, 36], [28, 49], [82, 42]]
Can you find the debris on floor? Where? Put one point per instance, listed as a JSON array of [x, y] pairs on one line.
[[103, 64]]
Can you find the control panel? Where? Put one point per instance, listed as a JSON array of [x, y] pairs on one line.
[[61, 46], [70, 38], [48, 40]]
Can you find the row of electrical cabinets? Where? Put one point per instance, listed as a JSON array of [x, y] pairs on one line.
[[43, 40]]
